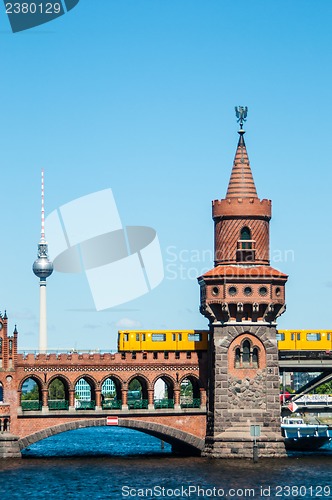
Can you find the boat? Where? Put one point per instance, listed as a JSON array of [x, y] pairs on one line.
[[301, 436]]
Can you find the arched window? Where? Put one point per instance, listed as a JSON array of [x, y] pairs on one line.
[[244, 237], [237, 357], [255, 357], [246, 352], [10, 347], [0, 346], [246, 356]]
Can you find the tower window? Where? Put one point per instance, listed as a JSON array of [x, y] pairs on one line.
[[246, 355], [247, 290], [263, 291], [244, 237], [232, 290], [215, 290], [245, 246]]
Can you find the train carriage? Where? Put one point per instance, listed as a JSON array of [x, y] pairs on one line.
[[162, 340]]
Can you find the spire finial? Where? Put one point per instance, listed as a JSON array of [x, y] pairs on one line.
[[241, 115], [42, 239]]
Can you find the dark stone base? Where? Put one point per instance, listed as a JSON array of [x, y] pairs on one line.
[[9, 447], [229, 447]]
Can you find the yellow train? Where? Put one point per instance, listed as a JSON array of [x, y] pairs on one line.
[[304, 340], [162, 340], [197, 340]]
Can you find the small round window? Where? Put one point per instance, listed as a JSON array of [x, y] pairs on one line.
[[232, 290], [247, 290], [278, 291], [215, 290], [263, 291]]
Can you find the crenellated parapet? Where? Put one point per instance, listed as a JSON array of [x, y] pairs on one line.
[[237, 207]]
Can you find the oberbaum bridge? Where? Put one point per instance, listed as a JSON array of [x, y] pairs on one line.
[[231, 298]]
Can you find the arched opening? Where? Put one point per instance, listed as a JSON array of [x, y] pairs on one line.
[[246, 353], [31, 395], [1, 392], [245, 237], [58, 394], [245, 246], [237, 357], [111, 394], [163, 393], [85, 394], [255, 357], [137, 397], [190, 393]]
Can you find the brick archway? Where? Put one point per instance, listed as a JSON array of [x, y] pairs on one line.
[[181, 441]]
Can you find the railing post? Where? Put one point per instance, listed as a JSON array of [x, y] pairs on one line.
[[45, 400], [124, 396], [71, 400], [150, 399], [177, 399], [202, 394], [98, 399]]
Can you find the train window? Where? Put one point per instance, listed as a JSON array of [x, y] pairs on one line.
[[180, 337], [194, 337], [328, 336], [298, 336], [155, 355], [313, 336], [166, 355], [280, 336], [125, 337], [173, 337], [292, 336], [158, 337], [137, 337], [143, 337]]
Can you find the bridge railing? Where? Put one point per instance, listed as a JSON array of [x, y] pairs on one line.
[[138, 404], [58, 404], [111, 404], [163, 403], [31, 405], [81, 404], [193, 403]]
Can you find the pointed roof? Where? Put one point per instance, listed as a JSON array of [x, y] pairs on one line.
[[241, 184]]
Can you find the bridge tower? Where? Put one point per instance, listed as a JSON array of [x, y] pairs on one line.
[[242, 296]]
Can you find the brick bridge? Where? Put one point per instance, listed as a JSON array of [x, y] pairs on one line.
[[182, 425]]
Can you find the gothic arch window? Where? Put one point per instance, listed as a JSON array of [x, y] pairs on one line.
[[246, 355], [10, 347], [245, 235]]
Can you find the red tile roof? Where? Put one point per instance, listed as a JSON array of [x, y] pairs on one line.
[[253, 272]]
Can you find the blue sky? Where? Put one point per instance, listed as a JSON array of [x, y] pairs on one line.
[[139, 96]]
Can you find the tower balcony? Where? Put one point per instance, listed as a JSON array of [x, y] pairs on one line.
[[246, 251]]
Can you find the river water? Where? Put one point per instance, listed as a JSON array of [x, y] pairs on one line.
[[118, 463]]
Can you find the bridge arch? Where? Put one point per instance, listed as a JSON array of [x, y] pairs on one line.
[[35, 378], [65, 380], [181, 441]]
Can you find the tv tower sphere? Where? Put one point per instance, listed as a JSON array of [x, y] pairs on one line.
[[42, 267]]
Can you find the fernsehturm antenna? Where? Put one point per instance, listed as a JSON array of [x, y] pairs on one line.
[[43, 268]]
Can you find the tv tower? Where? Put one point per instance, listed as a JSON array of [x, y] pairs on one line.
[[43, 268]]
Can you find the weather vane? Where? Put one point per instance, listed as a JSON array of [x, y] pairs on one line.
[[241, 114]]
